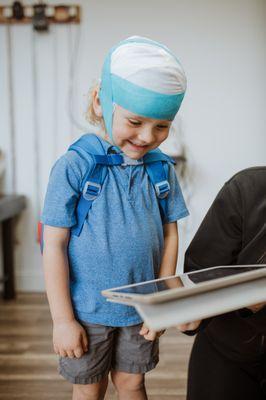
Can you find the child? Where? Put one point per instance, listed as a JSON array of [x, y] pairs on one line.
[[128, 235]]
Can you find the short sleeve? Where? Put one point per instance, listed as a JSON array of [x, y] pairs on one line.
[[63, 191], [175, 203]]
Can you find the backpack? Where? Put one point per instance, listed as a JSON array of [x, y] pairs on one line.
[[89, 145]]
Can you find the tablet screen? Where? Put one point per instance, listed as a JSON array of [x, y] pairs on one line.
[[185, 280]]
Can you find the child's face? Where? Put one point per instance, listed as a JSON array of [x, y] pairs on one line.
[[136, 135]]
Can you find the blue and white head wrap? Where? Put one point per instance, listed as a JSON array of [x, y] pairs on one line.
[[144, 77]]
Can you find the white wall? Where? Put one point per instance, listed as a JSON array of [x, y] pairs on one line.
[[222, 120]]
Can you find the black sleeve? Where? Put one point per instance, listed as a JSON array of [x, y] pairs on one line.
[[257, 319], [218, 240], [219, 237], [202, 326]]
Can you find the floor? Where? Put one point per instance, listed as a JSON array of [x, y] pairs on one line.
[[28, 367]]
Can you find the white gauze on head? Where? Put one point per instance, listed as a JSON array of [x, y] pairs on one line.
[[150, 67]]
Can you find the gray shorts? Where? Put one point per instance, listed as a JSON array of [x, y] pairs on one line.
[[119, 349]]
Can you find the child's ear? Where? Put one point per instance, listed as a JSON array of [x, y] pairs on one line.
[[96, 103]]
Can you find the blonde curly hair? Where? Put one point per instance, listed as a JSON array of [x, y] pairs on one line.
[[90, 115]]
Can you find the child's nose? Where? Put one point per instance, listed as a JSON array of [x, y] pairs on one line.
[[146, 134]]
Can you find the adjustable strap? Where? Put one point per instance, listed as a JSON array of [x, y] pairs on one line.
[[116, 159], [158, 173], [91, 190], [89, 145], [109, 159], [156, 155], [162, 189]]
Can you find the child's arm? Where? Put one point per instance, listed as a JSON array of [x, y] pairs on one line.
[[168, 266], [170, 253], [69, 337]]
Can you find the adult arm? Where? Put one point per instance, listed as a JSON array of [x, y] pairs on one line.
[[217, 241], [220, 238]]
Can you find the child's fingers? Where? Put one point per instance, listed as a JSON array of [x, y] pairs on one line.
[[70, 354], [84, 342], [148, 334], [147, 337], [160, 333], [62, 353], [151, 335], [78, 352], [144, 330]]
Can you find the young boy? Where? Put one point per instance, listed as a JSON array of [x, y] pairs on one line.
[[130, 232]]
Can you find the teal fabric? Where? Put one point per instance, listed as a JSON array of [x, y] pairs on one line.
[[109, 91], [145, 102]]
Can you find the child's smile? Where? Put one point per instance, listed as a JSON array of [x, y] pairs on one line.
[[136, 135]]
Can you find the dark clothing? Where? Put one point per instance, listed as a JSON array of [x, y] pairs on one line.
[[213, 376], [234, 229], [232, 345]]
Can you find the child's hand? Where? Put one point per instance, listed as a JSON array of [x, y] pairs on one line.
[[149, 334], [69, 339]]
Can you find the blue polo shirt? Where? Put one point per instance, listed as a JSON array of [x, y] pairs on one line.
[[122, 238]]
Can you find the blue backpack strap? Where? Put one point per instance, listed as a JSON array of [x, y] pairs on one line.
[[157, 167], [89, 145], [156, 164], [157, 155], [91, 189]]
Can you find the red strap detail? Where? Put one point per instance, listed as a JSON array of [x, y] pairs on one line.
[[39, 232]]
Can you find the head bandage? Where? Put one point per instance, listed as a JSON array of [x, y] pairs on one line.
[[143, 77]]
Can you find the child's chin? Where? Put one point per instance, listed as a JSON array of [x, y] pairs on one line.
[[135, 155]]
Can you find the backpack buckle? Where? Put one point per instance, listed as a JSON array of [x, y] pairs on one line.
[[91, 190], [162, 189]]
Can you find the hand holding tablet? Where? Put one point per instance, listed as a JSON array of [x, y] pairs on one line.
[[187, 298]]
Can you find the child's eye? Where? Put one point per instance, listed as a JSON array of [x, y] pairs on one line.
[[134, 122], [162, 126]]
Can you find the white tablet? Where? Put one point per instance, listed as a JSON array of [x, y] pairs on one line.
[[185, 285]]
